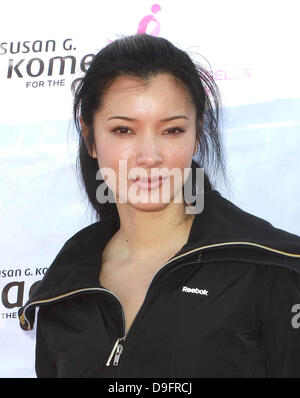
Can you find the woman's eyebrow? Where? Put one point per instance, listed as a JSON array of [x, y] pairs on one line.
[[162, 120]]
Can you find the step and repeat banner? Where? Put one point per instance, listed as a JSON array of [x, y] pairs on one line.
[[251, 49]]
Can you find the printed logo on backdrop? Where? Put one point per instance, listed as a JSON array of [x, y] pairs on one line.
[[16, 285], [44, 62], [47, 63], [147, 21]]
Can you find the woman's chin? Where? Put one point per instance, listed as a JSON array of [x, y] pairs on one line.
[[148, 207], [147, 202]]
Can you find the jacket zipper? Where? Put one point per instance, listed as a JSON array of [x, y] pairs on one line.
[[23, 318], [117, 349], [118, 346]]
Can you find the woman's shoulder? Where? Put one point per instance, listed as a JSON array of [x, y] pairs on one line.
[[223, 224], [72, 270]]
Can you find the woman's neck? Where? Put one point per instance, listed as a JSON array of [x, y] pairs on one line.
[[143, 235]]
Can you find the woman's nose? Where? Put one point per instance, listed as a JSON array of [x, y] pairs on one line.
[[148, 152]]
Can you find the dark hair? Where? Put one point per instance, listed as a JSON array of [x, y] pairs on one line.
[[143, 56]]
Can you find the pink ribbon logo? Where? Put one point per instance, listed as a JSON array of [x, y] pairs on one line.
[[142, 27]]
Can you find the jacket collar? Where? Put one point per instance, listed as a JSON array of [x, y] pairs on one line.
[[221, 229]]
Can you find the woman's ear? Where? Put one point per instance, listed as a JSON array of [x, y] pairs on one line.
[[84, 132]]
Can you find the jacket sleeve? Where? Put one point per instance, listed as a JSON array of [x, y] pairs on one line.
[[280, 335], [44, 366]]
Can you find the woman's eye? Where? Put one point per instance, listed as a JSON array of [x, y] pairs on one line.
[[122, 130], [173, 131]]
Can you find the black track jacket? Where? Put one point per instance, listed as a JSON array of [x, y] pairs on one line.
[[226, 305]]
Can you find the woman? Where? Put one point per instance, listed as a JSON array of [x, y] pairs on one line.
[[155, 289]]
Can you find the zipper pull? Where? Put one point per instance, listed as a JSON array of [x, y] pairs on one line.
[[118, 349], [118, 353]]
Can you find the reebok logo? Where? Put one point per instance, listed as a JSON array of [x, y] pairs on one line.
[[194, 290]]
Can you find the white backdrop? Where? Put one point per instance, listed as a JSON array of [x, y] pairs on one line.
[[253, 51]]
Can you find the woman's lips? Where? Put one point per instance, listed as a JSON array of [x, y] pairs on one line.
[[149, 183]]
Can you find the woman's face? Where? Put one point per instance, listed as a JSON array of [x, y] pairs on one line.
[[132, 126]]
